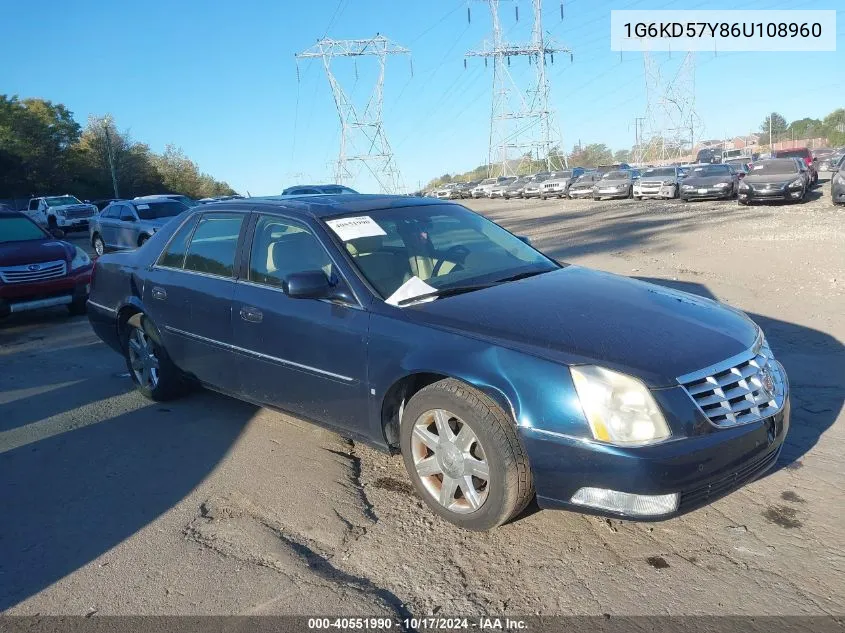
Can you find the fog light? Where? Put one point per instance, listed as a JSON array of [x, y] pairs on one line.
[[626, 503]]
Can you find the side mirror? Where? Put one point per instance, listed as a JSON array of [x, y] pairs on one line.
[[525, 239], [57, 233], [309, 284]]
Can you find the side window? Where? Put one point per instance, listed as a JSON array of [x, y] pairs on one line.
[[112, 211], [33, 205], [282, 247], [214, 244], [126, 212], [174, 254]]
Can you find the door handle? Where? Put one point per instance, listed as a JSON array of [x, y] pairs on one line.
[[158, 293], [253, 315]]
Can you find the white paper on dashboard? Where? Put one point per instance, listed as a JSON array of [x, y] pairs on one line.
[[414, 287], [353, 228]]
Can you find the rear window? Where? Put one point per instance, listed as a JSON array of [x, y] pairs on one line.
[[792, 153], [158, 210]]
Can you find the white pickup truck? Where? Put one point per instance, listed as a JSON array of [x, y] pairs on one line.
[[63, 212]]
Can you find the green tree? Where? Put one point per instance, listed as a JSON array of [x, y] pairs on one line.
[[622, 156], [805, 128], [834, 127], [778, 127], [590, 155]]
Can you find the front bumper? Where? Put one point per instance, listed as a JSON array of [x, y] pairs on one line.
[[580, 193], [702, 468], [782, 194], [707, 193], [655, 191], [534, 193], [44, 294], [598, 194], [72, 223]]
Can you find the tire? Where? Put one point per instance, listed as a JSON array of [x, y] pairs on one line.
[[491, 447], [676, 192], [52, 224], [98, 244], [684, 199], [140, 342], [630, 193], [744, 203], [638, 197], [78, 307]]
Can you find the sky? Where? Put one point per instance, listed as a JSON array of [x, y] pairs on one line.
[[219, 78]]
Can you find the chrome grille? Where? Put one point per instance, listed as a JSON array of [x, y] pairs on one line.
[[33, 272], [75, 214], [743, 389]]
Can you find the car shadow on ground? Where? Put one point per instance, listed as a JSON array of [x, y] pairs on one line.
[[814, 362], [75, 486]]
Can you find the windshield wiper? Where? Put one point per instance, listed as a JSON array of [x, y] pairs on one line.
[[525, 275], [444, 292]]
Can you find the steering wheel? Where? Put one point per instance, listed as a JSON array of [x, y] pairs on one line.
[[459, 251]]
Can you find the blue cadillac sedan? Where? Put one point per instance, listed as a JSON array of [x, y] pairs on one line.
[[420, 327]]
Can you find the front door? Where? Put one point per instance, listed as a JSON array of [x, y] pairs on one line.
[[189, 296], [127, 228], [109, 220], [306, 356]]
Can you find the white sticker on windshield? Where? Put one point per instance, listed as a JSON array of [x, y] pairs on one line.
[[353, 228], [414, 287], [142, 207]]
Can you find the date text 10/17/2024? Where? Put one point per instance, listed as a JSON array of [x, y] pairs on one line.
[[422, 623]]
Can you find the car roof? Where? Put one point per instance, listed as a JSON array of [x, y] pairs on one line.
[[323, 206]]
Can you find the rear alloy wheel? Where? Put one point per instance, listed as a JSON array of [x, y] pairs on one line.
[[464, 456], [150, 368], [98, 244]]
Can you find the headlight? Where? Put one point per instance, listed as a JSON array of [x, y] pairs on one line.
[[619, 409], [668, 182], [797, 183], [838, 178], [61, 212], [744, 187], [687, 187], [80, 259], [722, 185]]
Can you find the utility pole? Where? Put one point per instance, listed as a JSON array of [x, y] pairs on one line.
[[521, 122], [362, 136], [111, 159], [771, 145]]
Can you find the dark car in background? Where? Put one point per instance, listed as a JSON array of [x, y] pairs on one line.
[[128, 224], [517, 187], [837, 184], [390, 320], [709, 155], [804, 154], [709, 181], [775, 179], [39, 270], [832, 162], [310, 190], [615, 184], [582, 187], [465, 188]]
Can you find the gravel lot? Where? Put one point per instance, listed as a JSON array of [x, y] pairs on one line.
[[114, 505]]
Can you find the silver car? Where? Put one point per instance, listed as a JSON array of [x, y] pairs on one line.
[[127, 224], [659, 182]]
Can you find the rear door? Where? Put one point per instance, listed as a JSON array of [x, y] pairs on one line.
[[189, 295], [109, 220], [306, 356], [126, 227]]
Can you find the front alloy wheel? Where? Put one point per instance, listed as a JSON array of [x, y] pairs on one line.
[[99, 246], [464, 455], [450, 461]]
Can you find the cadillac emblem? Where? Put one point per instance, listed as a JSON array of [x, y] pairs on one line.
[[768, 381]]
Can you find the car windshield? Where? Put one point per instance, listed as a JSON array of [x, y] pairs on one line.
[[540, 178], [711, 170], [434, 248], [19, 229], [586, 178], [666, 171], [564, 175], [60, 201], [616, 175], [769, 167], [158, 210]]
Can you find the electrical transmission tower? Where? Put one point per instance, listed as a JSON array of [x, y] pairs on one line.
[[671, 121], [521, 122], [362, 136]]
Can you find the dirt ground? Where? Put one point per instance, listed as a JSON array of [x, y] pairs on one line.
[[113, 505]]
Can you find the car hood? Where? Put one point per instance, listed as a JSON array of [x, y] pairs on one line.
[[705, 181], [760, 179], [34, 252], [577, 315], [73, 207]]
